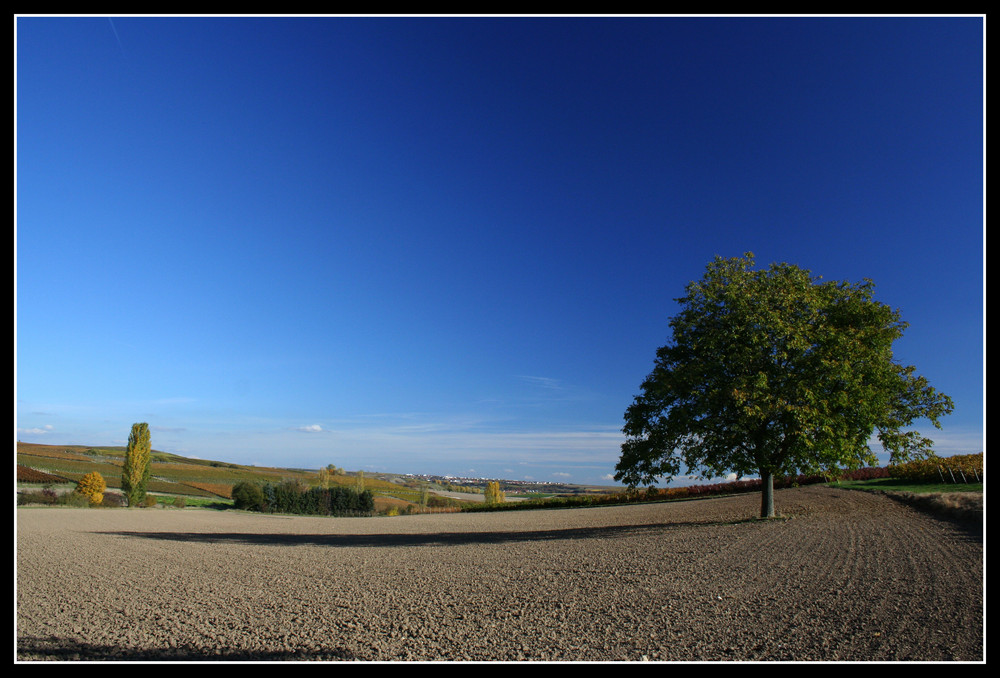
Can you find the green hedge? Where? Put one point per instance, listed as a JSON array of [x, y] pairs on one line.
[[291, 496]]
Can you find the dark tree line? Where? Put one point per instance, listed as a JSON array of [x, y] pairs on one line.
[[290, 496]]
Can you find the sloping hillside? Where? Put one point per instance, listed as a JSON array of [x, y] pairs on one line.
[[184, 476]]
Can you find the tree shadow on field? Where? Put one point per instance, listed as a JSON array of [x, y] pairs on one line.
[[429, 539], [66, 649]]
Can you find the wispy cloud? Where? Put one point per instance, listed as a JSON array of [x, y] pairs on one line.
[[312, 428], [48, 428], [547, 391], [117, 39], [542, 382]]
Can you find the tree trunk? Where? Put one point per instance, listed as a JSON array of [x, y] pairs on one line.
[[766, 494]]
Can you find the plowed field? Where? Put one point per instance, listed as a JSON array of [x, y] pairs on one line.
[[843, 576]]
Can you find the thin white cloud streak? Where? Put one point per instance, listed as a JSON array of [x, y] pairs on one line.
[[546, 391], [542, 382], [117, 39], [36, 430], [312, 428]]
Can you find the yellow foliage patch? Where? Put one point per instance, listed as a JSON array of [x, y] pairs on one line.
[[92, 486]]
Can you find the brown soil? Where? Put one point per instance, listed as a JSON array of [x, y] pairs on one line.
[[842, 576]]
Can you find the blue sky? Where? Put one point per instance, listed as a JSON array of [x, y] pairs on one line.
[[453, 245]]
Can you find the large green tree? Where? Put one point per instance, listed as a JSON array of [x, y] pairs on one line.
[[136, 469], [774, 372]]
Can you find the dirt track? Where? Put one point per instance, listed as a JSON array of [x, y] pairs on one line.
[[846, 576]]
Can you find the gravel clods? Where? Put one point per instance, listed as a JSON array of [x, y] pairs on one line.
[[841, 576]]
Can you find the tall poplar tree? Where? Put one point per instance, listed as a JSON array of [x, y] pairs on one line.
[[136, 471], [493, 494]]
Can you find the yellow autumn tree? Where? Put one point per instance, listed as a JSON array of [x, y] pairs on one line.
[[493, 494], [92, 486]]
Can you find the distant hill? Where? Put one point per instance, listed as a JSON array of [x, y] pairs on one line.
[[174, 475], [207, 481]]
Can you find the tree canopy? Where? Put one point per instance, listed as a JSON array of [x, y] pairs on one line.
[[774, 372]]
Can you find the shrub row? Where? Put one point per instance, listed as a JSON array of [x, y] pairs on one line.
[[49, 497], [963, 468], [435, 501], [291, 496]]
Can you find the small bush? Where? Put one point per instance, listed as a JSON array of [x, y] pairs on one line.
[[150, 501], [26, 498], [436, 501], [180, 502], [248, 496], [47, 497], [76, 499], [111, 500]]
